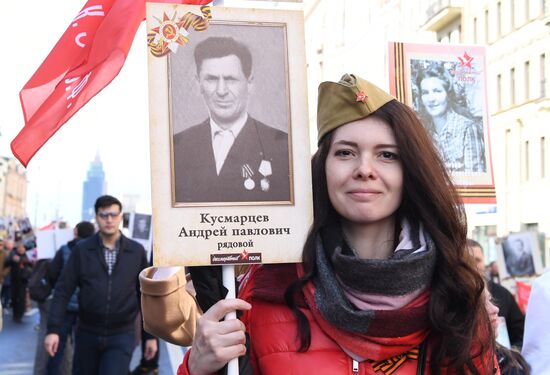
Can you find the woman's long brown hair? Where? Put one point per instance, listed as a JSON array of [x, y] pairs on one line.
[[460, 326]]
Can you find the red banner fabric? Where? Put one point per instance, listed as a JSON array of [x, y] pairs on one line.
[[523, 293], [86, 59]]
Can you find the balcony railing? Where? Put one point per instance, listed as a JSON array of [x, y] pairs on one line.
[[439, 12]]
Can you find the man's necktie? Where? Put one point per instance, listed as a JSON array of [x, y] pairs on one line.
[[223, 140]]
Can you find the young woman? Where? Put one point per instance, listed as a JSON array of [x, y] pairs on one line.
[[457, 138], [385, 286]]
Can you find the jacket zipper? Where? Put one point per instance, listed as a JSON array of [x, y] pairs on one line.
[[355, 366], [108, 305]]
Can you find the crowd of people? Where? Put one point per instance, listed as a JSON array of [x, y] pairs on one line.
[[389, 282], [88, 320]]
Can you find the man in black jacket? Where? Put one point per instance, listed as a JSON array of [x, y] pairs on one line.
[[105, 267], [21, 268], [502, 298]]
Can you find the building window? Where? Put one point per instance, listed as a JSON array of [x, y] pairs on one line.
[[487, 26], [526, 78], [513, 86], [526, 165], [499, 19], [499, 92], [508, 156], [512, 14], [527, 10], [542, 157], [475, 30], [542, 75]]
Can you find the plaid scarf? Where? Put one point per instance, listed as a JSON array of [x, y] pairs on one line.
[[375, 335]]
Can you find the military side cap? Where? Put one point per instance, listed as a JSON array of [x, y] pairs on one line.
[[350, 99]]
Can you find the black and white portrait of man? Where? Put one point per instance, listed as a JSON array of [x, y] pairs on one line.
[[230, 117], [141, 227], [518, 254]]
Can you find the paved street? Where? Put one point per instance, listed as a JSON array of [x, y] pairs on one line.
[[18, 348]]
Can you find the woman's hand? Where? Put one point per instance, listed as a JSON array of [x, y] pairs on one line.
[[217, 342]]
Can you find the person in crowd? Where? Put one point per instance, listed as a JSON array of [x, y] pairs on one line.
[[3, 272], [493, 272], [105, 268], [54, 365], [507, 305], [21, 268], [458, 139], [536, 342], [510, 361], [147, 365], [8, 245], [385, 285]]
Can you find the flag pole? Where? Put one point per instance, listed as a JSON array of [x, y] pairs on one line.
[[228, 277]]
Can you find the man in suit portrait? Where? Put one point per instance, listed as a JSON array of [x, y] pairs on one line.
[[230, 156], [141, 226]]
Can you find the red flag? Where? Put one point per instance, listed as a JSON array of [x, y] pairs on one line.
[[87, 58]]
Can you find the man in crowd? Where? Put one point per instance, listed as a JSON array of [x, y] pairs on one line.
[[21, 268], [8, 245], [82, 230], [3, 272], [503, 299], [230, 156], [105, 267]]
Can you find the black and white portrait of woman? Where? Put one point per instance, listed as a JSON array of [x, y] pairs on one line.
[[447, 103]]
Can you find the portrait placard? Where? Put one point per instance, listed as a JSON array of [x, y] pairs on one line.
[[519, 255], [446, 86], [139, 229], [230, 157]]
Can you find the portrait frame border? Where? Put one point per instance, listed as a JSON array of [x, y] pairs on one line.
[[209, 233], [399, 54]]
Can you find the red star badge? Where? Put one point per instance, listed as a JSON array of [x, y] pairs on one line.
[[465, 60], [244, 255], [361, 97]]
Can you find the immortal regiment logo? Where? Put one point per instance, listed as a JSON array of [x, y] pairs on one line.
[[465, 72], [243, 258], [172, 32], [466, 60]]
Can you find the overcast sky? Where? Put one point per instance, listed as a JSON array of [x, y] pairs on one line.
[[114, 123]]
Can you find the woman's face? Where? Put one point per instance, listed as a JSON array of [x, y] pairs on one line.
[[492, 310], [434, 96], [364, 171]]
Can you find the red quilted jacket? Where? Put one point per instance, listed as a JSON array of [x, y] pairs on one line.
[[273, 339]]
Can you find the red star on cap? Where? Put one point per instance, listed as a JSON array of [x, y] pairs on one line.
[[361, 97]]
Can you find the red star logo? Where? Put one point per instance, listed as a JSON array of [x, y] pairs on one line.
[[361, 97], [465, 60], [244, 255]]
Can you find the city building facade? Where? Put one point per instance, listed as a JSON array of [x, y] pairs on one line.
[[93, 187], [517, 35], [352, 36], [13, 188]]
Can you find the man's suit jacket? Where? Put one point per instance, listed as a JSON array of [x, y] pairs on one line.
[[196, 179]]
